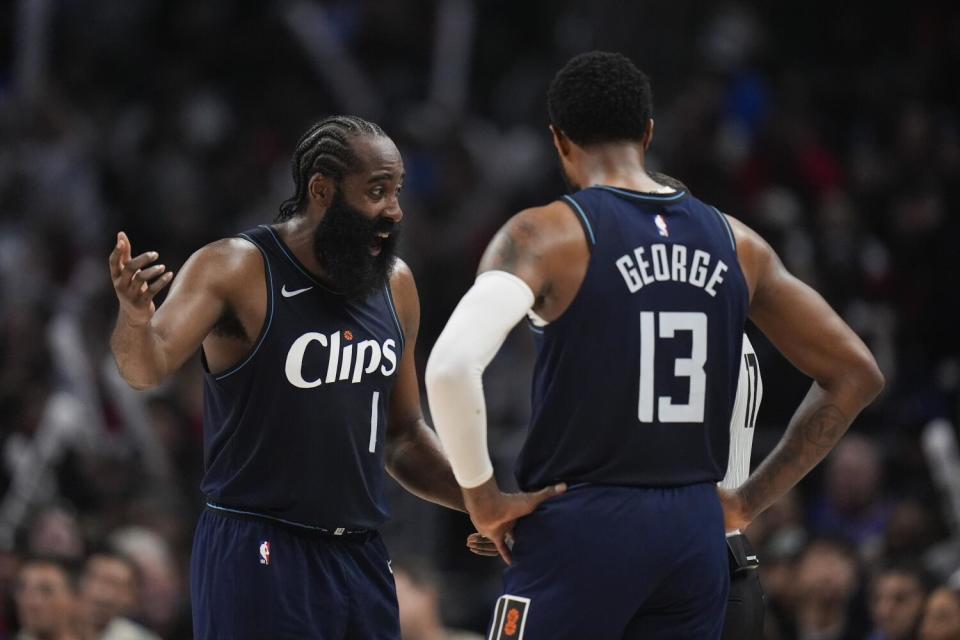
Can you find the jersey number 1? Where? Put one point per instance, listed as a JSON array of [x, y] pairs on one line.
[[693, 367]]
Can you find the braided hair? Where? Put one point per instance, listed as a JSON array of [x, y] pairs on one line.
[[325, 149]]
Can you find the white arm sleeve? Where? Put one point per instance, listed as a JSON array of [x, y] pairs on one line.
[[454, 379]]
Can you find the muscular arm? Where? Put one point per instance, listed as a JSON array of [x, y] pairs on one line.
[[520, 270], [820, 344], [151, 344], [414, 456], [547, 249]]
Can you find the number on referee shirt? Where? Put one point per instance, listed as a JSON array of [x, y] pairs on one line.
[[693, 367]]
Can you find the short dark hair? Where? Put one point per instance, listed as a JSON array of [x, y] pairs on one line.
[[600, 97], [325, 149]]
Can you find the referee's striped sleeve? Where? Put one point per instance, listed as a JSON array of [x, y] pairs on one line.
[[743, 419]]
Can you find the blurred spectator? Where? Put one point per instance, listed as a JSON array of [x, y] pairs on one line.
[[852, 508], [911, 529], [109, 596], [164, 595], [54, 531], [46, 595], [827, 579], [419, 599], [941, 616], [897, 595]]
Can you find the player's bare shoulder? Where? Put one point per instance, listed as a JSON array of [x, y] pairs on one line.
[[401, 277], [535, 235], [227, 265], [755, 255], [403, 288], [547, 247], [227, 277], [224, 269]]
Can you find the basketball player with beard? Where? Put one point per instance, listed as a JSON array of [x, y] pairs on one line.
[[306, 330]]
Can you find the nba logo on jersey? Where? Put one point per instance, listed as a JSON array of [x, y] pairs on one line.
[[265, 552], [661, 226]]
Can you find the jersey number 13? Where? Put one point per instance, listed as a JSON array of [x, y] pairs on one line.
[[670, 322]]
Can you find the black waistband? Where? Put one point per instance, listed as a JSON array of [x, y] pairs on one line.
[[308, 531]]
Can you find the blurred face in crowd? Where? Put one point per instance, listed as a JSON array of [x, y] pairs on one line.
[[853, 474], [941, 619], [826, 581], [896, 603], [108, 590], [56, 532], [45, 600]]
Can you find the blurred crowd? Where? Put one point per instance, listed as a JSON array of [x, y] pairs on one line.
[[834, 133]]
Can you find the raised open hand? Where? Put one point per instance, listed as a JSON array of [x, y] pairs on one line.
[[135, 282]]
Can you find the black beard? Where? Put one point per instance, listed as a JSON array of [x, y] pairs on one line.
[[342, 243]]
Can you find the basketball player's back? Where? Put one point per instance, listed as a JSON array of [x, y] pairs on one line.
[[632, 395], [634, 383], [642, 293]]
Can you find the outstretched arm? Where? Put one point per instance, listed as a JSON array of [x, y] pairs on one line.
[[149, 344], [414, 456], [819, 343]]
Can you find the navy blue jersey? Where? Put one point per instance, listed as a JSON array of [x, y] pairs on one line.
[[634, 384], [295, 431]]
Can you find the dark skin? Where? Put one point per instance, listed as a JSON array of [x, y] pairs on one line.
[[212, 303], [546, 247]]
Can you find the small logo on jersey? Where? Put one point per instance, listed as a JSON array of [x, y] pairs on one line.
[[662, 226], [338, 531], [348, 335], [265, 552], [510, 617], [290, 294]]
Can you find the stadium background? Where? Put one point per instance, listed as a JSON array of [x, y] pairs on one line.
[[833, 130]]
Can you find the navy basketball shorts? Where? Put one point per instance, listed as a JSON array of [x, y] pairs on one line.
[[612, 563], [253, 579]]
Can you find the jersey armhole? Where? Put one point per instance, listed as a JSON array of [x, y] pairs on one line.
[[584, 220], [268, 276], [393, 312], [726, 225]]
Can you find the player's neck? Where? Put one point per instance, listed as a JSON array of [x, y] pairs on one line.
[[618, 165], [298, 234]]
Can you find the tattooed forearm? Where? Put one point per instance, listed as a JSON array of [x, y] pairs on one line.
[[824, 429], [815, 429]]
